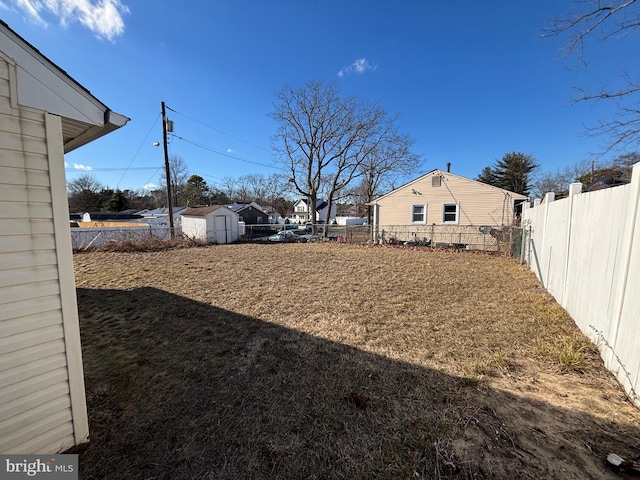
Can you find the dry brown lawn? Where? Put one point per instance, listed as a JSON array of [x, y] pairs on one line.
[[332, 361]]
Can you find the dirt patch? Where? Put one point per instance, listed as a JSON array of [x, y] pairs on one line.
[[338, 361]]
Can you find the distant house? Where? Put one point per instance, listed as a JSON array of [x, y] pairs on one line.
[[273, 215], [444, 198], [127, 216], [215, 224], [44, 113], [249, 213], [301, 212], [160, 216]]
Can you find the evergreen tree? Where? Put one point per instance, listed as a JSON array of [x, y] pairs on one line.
[[512, 172], [117, 203], [487, 175], [196, 191]]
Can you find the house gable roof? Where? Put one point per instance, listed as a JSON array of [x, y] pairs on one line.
[[320, 203], [239, 207], [515, 196], [46, 87]]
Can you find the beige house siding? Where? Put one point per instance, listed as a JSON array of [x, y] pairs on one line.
[[42, 406], [479, 204]]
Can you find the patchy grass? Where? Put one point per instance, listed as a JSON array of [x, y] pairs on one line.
[[337, 361], [570, 355]]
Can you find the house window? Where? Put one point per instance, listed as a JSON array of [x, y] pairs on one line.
[[450, 213], [419, 213], [301, 208]]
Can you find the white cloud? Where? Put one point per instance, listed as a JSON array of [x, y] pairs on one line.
[[149, 186], [79, 166], [103, 17], [31, 10], [66, 165], [359, 66], [229, 150]]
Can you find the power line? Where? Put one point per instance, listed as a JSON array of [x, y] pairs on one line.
[[138, 151], [202, 174], [220, 131], [152, 175], [226, 154]]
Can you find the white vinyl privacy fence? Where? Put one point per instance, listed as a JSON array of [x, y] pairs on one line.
[[585, 250]]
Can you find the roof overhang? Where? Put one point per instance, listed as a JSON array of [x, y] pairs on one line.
[[76, 134], [44, 86]]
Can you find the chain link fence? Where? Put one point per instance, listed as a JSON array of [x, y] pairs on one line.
[[507, 240], [83, 238]]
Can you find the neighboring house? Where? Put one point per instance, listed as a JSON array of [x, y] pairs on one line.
[[350, 220], [249, 213], [44, 113], [215, 224], [127, 216], [301, 212], [273, 215], [160, 216], [443, 198]]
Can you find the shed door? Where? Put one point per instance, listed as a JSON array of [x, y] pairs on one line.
[[220, 229]]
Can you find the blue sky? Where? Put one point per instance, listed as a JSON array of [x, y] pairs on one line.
[[472, 80]]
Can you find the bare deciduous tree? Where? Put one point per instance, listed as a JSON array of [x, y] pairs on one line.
[[558, 181], [619, 169], [324, 139], [229, 186], [604, 20], [391, 160], [179, 175], [83, 193]]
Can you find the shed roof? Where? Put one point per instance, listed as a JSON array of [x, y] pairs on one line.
[[202, 211], [46, 87]]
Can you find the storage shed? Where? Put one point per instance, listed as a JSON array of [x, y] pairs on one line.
[[44, 114], [214, 224]]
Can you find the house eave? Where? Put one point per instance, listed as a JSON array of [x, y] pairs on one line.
[[73, 140], [46, 87]]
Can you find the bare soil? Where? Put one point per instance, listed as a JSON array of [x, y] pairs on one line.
[[334, 361]]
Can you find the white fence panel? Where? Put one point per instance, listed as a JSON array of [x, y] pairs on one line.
[[585, 250]]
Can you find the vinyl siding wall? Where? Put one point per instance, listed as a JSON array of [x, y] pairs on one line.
[[479, 204], [37, 341]]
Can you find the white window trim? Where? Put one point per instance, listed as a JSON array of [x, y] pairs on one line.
[[424, 206], [457, 220]]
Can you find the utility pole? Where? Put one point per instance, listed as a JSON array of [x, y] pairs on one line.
[[167, 171]]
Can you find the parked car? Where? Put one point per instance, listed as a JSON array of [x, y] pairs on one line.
[[309, 227], [293, 236], [302, 235], [281, 236]]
